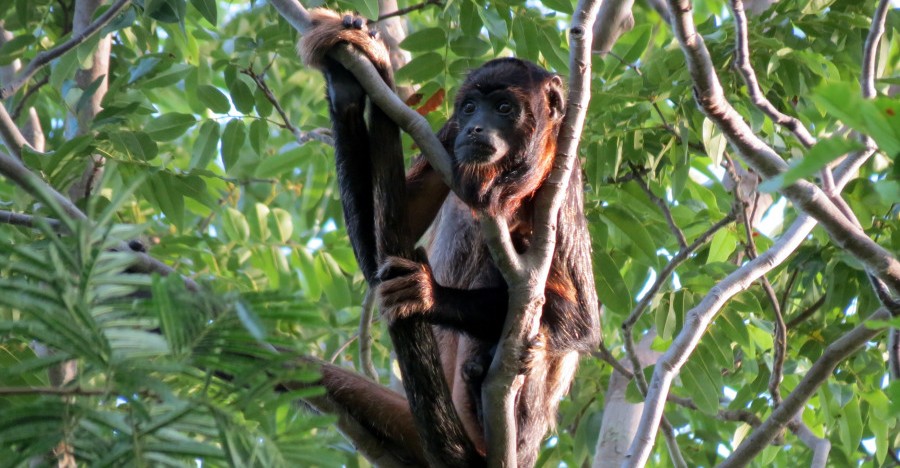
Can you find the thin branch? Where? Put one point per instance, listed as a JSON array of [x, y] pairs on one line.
[[410, 9], [742, 63], [779, 341], [365, 335], [299, 135], [676, 260], [44, 58], [664, 207], [21, 219], [603, 353], [60, 391], [818, 373], [28, 93], [802, 316], [726, 415], [870, 50]]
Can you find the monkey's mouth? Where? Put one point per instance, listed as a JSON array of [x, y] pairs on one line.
[[475, 152]]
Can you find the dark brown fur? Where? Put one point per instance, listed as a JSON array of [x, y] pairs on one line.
[[459, 289]]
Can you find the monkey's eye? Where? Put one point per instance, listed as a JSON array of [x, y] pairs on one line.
[[504, 108], [468, 107]]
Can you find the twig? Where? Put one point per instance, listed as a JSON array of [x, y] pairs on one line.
[[409, 9], [28, 93], [301, 136], [723, 414], [603, 353], [679, 235], [779, 342], [61, 391], [21, 219], [806, 313], [676, 260], [365, 335], [44, 58]]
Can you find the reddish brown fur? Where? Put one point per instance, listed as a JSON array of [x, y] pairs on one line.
[[462, 266], [328, 31]]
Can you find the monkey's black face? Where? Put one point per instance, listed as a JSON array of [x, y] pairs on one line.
[[487, 126]]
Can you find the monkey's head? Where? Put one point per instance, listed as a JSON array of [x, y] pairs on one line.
[[502, 135]]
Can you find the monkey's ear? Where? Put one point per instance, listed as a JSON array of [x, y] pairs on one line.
[[556, 97]]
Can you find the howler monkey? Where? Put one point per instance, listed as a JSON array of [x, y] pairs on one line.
[[502, 141]]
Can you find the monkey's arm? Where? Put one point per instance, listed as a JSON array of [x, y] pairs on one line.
[[408, 288], [426, 192]]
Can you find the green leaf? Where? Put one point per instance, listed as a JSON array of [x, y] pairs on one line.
[[259, 136], [214, 99], [611, 287], [63, 69], [425, 40], [259, 221], [277, 165], [15, 48], [877, 118], [421, 68], [172, 76], [137, 145], [208, 9], [206, 145], [562, 6], [366, 8], [633, 230], [714, 141], [235, 225], [232, 140], [815, 159], [250, 321], [282, 224], [241, 96], [698, 385], [169, 126], [721, 247], [469, 46], [642, 35]]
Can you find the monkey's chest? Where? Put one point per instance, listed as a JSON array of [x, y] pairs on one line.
[[457, 252]]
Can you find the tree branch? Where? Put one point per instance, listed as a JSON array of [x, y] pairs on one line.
[[44, 58], [526, 287], [409, 9], [709, 94]]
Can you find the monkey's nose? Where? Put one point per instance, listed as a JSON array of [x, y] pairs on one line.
[[474, 129]]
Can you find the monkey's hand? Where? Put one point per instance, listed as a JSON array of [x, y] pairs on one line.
[[331, 28], [535, 353], [407, 288]]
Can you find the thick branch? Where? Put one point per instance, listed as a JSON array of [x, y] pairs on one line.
[[44, 58]]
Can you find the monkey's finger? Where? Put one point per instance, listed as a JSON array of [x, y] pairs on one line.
[[393, 267]]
